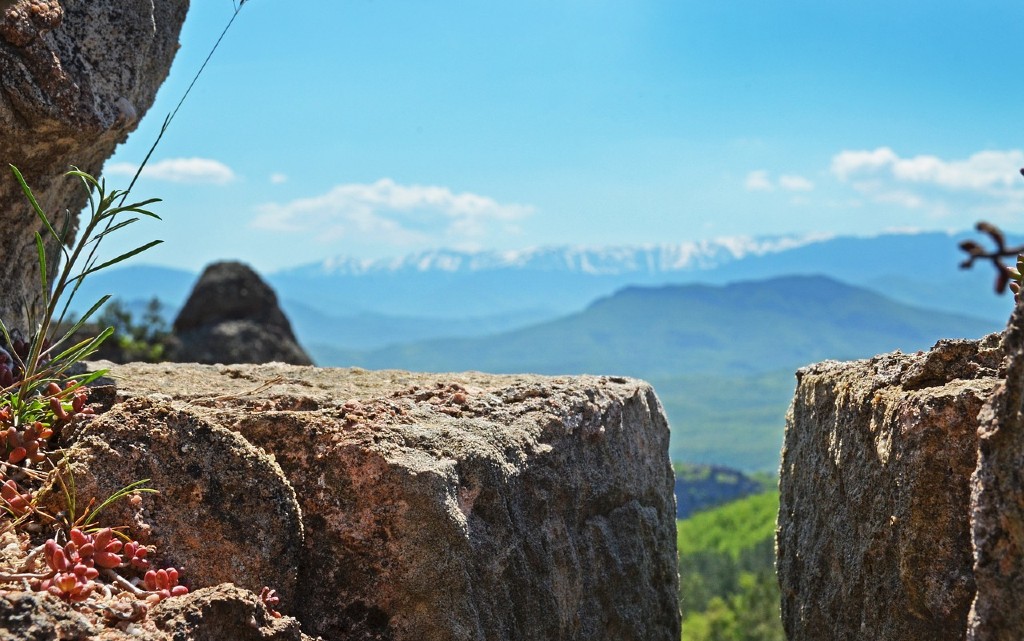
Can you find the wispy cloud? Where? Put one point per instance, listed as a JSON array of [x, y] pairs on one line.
[[986, 182], [385, 211], [795, 183], [278, 178], [760, 180], [179, 170]]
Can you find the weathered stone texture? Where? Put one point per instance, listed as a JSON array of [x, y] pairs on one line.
[[874, 532], [224, 511], [458, 506], [75, 78], [211, 614], [997, 503]]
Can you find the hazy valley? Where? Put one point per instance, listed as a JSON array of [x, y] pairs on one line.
[[719, 329]]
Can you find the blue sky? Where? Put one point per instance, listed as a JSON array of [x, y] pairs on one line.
[[375, 128]]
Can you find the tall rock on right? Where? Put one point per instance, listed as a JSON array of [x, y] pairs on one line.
[[902, 496], [997, 503], [874, 530]]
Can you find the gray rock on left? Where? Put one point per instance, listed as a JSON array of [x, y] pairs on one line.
[[75, 79]]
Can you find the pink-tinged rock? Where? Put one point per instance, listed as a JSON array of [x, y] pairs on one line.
[[224, 511], [458, 507]]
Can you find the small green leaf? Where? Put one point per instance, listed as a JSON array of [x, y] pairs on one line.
[[32, 200], [81, 321], [124, 256], [41, 253], [113, 228]]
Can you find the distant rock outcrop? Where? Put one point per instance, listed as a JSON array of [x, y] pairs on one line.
[[432, 507], [232, 316], [901, 500]]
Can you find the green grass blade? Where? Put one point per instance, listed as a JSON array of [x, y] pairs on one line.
[[89, 180], [32, 200], [113, 228], [134, 207], [41, 253], [8, 341], [82, 349], [117, 496], [81, 321], [65, 229], [124, 256], [88, 378]]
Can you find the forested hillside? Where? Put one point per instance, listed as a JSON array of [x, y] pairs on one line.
[[727, 586]]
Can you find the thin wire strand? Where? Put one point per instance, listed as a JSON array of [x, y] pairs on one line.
[[167, 121]]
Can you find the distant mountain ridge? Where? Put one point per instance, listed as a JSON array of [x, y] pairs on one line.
[[920, 268], [433, 294], [601, 260], [721, 357], [744, 328]]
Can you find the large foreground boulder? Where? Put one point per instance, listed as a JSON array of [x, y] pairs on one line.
[[433, 507], [232, 316]]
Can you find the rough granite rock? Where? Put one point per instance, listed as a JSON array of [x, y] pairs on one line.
[[874, 531], [232, 316], [210, 614], [457, 507], [224, 511], [75, 79], [997, 503], [220, 613]]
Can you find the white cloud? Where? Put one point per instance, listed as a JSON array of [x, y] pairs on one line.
[[179, 170], [278, 179], [986, 181], [986, 171], [846, 163], [759, 180], [385, 211], [795, 183], [901, 197]]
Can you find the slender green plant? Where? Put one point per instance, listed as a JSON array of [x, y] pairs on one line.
[[46, 356], [37, 400]]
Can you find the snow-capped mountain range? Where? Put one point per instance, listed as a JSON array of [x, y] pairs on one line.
[[450, 286], [597, 261]]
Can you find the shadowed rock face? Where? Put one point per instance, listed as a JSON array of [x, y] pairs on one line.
[[232, 316], [883, 490], [434, 507], [75, 79]]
